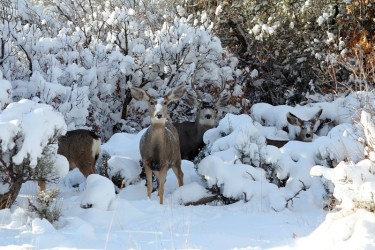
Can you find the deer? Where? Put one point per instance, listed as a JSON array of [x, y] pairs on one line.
[[81, 148], [191, 133], [306, 133], [159, 145]]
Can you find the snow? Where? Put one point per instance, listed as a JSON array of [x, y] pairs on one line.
[[281, 192], [99, 192]]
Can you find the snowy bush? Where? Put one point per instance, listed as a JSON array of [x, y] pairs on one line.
[[354, 178], [28, 136], [81, 65], [46, 205], [354, 184], [238, 158], [241, 166]]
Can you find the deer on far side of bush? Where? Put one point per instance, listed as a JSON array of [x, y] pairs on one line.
[[81, 148], [306, 133], [159, 145], [191, 133]]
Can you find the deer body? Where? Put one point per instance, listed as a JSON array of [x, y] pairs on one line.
[[159, 145], [191, 133], [160, 138], [306, 133], [191, 138], [276, 143], [81, 147]]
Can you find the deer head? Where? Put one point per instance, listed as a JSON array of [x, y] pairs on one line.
[[207, 107], [160, 146], [307, 127], [306, 133]]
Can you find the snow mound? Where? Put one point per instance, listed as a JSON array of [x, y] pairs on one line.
[[127, 168], [99, 192]]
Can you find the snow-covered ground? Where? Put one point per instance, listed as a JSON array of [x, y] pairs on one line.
[[285, 213]]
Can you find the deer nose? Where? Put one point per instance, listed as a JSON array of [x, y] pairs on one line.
[[159, 115], [308, 135], [208, 116]]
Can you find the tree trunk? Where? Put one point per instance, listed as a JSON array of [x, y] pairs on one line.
[[128, 98], [7, 199]]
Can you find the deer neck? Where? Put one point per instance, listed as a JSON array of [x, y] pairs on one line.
[[157, 131]]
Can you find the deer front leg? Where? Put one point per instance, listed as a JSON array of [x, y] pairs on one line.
[[161, 176], [42, 185], [148, 172]]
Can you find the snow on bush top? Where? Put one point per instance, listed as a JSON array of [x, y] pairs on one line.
[[35, 123]]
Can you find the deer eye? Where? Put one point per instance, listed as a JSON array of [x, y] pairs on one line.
[[152, 102], [165, 103]]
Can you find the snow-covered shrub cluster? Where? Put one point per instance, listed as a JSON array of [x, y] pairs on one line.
[[354, 180], [28, 135], [237, 166], [243, 167], [322, 48], [354, 184], [82, 65]]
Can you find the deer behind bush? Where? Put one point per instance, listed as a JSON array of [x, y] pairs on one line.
[[81, 147], [306, 133], [191, 133], [159, 145]]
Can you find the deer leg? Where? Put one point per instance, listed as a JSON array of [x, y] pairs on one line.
[[179, 174], [42, 185], [148, 172], [93, 168], [72, 165], [161, 175]]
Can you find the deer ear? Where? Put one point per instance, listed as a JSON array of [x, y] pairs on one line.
[[176, 93], [294, 120], [316, 116], [139, 94]]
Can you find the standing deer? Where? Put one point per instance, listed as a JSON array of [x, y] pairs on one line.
[[306, 133], [159, 145], [191, 133], [81, 148]]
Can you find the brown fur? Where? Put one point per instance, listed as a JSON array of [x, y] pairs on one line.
[[191, 133], [77, 147], [191, 138]]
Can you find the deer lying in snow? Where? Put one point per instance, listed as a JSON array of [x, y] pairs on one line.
[[306, 133], [159, 145], [191, 133], [81, 148]]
